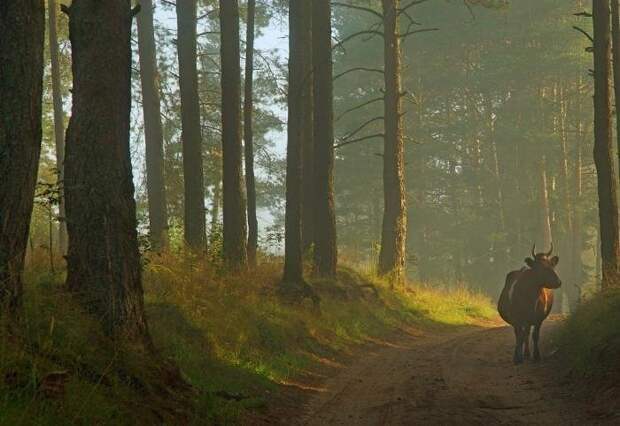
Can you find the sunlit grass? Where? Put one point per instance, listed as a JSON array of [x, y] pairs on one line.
[[229, 333]]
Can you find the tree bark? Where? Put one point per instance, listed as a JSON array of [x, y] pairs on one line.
[[545, 213], [248, 135], [394, 230], [59, 118], [195, 221], [615, 34], [308, 176], [153, 132], [577, 239], [603, 158], [234, 207], [325, 248], [103, 264], [22, 33], [299, 44]]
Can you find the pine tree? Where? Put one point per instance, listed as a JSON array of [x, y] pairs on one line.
[[22, 32], [103, 263]]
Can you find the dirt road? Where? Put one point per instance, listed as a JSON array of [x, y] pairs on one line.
[[463, 378]]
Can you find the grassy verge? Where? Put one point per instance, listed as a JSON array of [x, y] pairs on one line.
[[590, 339], [232, 337]]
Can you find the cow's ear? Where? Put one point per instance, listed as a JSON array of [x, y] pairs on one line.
[[530, 262], [555, 260]]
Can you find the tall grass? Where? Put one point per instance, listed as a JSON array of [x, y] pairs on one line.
[[231, 335], [589, 341]]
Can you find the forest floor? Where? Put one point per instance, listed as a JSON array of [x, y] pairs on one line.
[[463, 376]]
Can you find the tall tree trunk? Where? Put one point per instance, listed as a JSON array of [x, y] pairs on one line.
[[248, 135], [299, 45], [545, 213], [22, 32], [615, 34], [103, 264], [567, 199], [307, 123], [603, 158], [577, 239], [394, 230], [234, 207], [325, 248], [215, 209], [153, 132], [195, 222], [59, 118], [496, 166]]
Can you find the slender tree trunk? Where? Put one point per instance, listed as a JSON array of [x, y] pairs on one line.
[[307, 123], [299, 44], [545, 213], [615, 34], [577, 239], [59, 124], [603, 159], [567, 200], [22, 33], [325, 248], [153, 132], [394, 233], [215, 209], [234, 207], [496, 167], [195, 222], [248, 135], [103, 264]]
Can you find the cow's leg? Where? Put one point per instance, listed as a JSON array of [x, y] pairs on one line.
[[526, 342], [518, 356], [535, 337]]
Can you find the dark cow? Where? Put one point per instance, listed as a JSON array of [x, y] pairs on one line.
[[527, 299]]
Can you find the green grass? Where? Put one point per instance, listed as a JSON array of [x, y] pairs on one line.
[[589, 342], [231, 335]]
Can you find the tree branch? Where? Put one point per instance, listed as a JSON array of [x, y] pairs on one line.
[[361, 127], [363, 138], [357, 34], [423, 30], [584, 14], [355, 108], [584, 32], [65, 9]]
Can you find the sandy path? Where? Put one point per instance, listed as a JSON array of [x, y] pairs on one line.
[[465, 378]]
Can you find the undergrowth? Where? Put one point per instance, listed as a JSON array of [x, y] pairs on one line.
[[232, 337], [589, 341]]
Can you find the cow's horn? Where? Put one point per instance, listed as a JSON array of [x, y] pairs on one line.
[[534, 251], [550, 251]]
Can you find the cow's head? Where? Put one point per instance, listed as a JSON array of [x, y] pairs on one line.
[[543, 266]]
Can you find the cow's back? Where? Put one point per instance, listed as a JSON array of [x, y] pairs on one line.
[[504, 304]]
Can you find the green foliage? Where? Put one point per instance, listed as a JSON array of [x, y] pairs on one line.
[[589, 341], [233, 338], [482, 108]]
